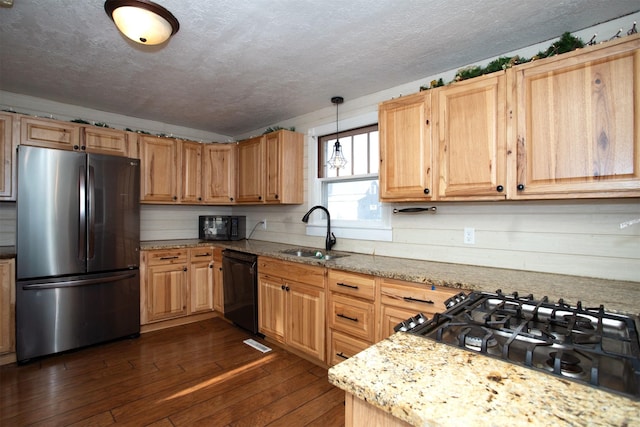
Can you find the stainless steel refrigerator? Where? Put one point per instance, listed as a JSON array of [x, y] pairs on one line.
[[77, 243]]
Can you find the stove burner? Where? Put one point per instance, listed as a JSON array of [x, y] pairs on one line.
[[473, 338], [567, 363], [587, 345]]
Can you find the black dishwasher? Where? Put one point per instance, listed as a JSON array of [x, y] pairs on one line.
[[241, 289]]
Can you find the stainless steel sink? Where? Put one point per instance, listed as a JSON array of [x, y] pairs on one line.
[[312, 253]]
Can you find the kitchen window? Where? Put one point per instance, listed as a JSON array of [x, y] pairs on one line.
[[351, 193]]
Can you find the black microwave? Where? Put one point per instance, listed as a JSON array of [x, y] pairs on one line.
[[220, 227]]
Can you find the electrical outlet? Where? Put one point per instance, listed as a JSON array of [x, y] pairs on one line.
[[264, 223], [470, 236]]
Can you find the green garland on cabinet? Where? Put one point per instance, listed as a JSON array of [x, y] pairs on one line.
[[566, 43]]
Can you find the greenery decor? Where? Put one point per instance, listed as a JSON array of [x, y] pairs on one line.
[[566, 43], [277, 128]]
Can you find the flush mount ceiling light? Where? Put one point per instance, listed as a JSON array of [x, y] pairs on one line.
[[337, 159], [142, 21]]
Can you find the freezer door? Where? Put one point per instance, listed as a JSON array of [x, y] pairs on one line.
[[113, 213], [50, 224], [55, 315]]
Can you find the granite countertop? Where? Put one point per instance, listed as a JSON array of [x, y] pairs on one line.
[[7, 252], [621, 297], [427, 383]]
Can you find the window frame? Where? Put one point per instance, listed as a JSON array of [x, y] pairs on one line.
[[350, 229]]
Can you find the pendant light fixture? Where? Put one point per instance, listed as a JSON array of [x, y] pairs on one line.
[[142, 21], [337, 159]]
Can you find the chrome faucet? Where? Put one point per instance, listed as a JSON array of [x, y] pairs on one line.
[[331, 239]]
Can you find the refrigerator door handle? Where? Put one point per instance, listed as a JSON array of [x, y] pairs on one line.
[[80, 282], [91, 202], [82, 234]]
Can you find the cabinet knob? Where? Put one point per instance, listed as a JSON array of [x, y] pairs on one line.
[[426, 191], [220, 268], [276, 197], [84, 147], [75, 147], [175, 197], [427, 121], [282, 287], [286, 288], [210, 265], [199, 199], [500, 188], [520, 187], [184, 268], [259, 197], [231, 199]]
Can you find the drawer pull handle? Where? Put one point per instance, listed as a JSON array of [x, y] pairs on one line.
[[347, 286], [207, 254], [410, 299], [353, 319], [168, 257], [342, 355]]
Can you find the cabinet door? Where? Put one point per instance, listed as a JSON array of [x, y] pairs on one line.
[[271, 307], [284, 151], [7, 158], [158, 171], [219, 167], [7, 305], [405, 148], [104, 141], [577, 124], [191, 172], [218, 290], [390, 316], [166, 292], [201, 274], [305, 328], [250, 170], [471, 138], [49, 133]]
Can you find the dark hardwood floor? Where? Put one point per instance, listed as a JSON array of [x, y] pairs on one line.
[[198, 374]]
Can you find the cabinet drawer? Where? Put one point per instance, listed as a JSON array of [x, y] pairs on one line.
[[344, 346], [354, 284], [203, 254], [415, 297], [169, 256], [292, 271], [353, 316]]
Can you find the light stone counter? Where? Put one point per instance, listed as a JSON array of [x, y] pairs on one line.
[[427, 383], [616, 296]]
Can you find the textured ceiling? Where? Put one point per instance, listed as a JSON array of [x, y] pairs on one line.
[[240, 65]]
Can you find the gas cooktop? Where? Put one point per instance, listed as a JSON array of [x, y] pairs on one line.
[[586, 345]]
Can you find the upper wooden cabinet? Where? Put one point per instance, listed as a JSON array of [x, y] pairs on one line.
[[406, 148], [7, 158], [159, 169], [284, 151], [219, 169], [191, 172], [555, 128], [270, 168], [250, 170], [471, 139], [56, 134], [578, 124]]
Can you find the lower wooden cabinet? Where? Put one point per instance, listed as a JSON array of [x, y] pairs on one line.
[[351, 314], [400, 300], [218, 281], [175, 283], [201, 275], [291, 309], [7, 305]]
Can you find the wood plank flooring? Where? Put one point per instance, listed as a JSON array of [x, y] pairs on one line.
[[197, 374]]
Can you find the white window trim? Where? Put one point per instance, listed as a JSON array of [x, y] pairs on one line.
[[318, 226]]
